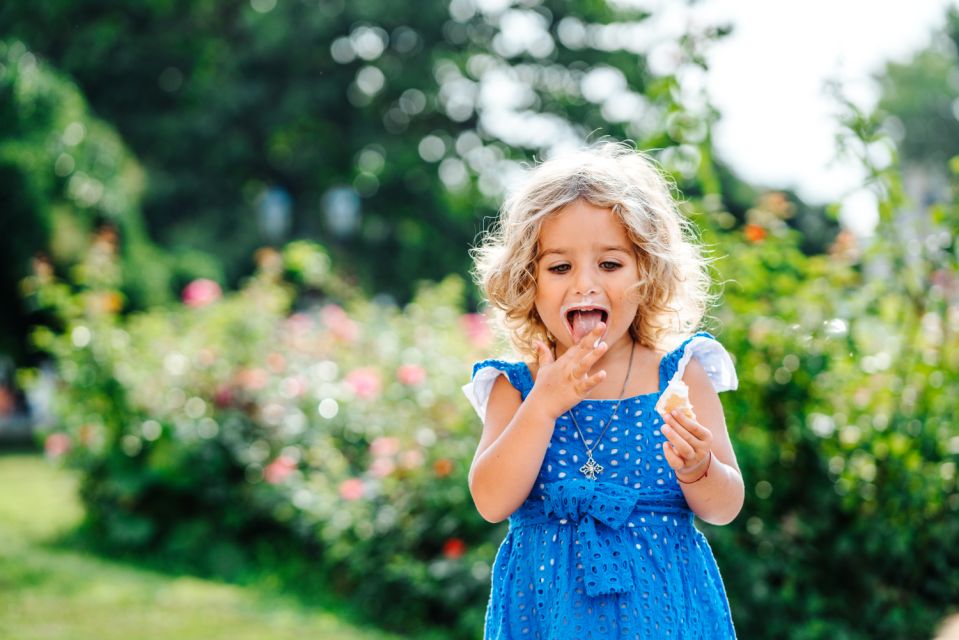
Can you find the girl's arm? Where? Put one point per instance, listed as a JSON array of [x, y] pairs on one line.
[[516, 434], [718, 497], [510, 452]]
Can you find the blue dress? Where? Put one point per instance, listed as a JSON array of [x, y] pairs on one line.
[[615, 557]]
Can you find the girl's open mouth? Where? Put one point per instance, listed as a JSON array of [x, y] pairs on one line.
[[581, 320]]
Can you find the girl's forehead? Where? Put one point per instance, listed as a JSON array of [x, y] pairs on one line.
[[581, 223]]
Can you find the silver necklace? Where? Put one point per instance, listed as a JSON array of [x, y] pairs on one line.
[[592, 468]]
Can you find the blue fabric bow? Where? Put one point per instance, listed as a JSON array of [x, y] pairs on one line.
[[599, 516]]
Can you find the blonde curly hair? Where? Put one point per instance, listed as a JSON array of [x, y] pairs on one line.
[[674, 282]]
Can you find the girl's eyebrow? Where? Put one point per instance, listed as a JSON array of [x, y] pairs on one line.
[[563, 252]]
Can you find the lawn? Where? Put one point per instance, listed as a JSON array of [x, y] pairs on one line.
[[49, 589]]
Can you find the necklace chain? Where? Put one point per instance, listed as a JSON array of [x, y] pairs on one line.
[[592, 468]]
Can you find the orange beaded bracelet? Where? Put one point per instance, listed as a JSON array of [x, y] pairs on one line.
[[705, 473]]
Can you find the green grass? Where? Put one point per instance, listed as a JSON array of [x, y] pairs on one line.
[[50, 590]]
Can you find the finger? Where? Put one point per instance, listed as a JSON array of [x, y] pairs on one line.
[[702, 432], [685, 433], [578, 373], [697, 430], [683, 447], [587, 360], [680, 416], [672, 457], [590, 357], [545, 355], [585, 385], [589, 340], [587, 356]]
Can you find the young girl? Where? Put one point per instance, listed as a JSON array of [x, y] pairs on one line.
[[595, 275]]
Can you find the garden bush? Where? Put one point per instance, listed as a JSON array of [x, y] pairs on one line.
[[64, 174], [205, 427], [297, 407], [844, 422]]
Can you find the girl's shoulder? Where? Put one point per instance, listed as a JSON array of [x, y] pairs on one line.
[[485, 373], [711, 354], [517, 371]]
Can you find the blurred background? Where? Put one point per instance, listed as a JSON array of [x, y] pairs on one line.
[[237, 310]]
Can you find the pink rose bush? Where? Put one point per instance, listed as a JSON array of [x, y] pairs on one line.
[[351, 489], [337, 421], [363, 382], [201, 292], [339, 323], [57, 444], [279, 470], [411, 374]]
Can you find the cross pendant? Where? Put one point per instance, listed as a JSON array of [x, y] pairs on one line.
[[591, 469]]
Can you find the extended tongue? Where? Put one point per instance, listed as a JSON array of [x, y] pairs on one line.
[[584, 322]]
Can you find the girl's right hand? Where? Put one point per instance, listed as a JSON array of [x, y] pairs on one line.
[[564, 382]]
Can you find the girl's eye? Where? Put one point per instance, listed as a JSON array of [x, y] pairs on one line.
[[607, 265]]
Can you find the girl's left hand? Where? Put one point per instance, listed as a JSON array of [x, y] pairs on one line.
[[687, 446]]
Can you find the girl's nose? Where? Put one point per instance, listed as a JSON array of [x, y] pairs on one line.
[[585, 283]]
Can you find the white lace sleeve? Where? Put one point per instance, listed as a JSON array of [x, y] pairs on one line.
[[479, 389], [715, 360]]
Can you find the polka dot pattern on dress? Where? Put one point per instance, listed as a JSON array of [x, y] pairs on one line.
[[615, 557]]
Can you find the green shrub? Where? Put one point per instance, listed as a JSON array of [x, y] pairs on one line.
[[203, 427], [844, 425], [207, 426], [68, 186]]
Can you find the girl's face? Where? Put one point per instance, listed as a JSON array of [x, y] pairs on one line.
[[586, 267]]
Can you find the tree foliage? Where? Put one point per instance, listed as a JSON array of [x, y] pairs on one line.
[[345, 427], [921, 96], [63, 172], [391, 127]]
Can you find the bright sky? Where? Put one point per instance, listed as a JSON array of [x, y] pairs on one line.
[[777, 127], [778, 124]]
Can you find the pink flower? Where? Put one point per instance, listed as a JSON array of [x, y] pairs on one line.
[[411, 374], [412, 459], [351, 489], [382, 467], [476, 328], [454, 548], [252, 379], [278, 470], [206, 357], [299, 323], [57, 444], [223, 396], [201, 292], [339, 324], [276, 362], [294, 387], [384, 446], [945, 280], [364, 382]]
